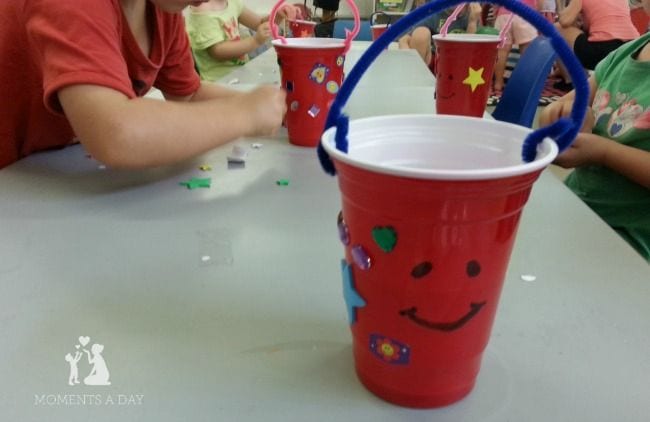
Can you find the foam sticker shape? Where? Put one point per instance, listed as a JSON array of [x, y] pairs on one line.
[[474, 78], [313, 111], [352, 298], [196, 182], [389, 350], [319, 73], [385, 238]]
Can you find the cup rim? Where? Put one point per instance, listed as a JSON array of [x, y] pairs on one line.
[[303, 22], [310, 43], [480, 38], [547, 148]]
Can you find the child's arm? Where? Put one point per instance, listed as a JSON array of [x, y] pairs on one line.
[[474, 17], [232, 49], [590, 149], [563, 106], [570, 13], [144, 132]]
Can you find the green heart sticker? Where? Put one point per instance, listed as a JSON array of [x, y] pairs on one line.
[[385, 237]]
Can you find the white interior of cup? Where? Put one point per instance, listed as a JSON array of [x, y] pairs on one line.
[[439, 147], [310, 43], [488, 38]]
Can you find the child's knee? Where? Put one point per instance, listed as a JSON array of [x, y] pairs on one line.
[[422, 34]]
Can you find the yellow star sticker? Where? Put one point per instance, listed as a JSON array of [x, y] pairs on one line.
[[475, 78]]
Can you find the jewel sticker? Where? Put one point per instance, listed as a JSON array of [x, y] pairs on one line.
[[319, 73], [344, 234], [340, 60], [313, 111], [360, 257], [389, 350], [385, 237], [294, 105], [332, 87]]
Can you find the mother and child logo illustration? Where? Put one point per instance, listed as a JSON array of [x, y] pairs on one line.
[[98, 374]]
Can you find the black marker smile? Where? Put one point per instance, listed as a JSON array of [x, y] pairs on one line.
[[446, 97], [411, 313]]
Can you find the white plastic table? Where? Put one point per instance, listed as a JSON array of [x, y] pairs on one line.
[[225, 303]]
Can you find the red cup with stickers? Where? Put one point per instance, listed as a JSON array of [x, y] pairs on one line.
[[464, 66], [301, 28], [311, 73], [430, 208]]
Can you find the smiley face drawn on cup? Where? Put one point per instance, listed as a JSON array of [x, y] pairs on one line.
[[473, 269], [445, 87]]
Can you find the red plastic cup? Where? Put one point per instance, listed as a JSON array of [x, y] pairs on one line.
[[377, 30], [464, 66], [312, 73], [301, 28], [431, 206]]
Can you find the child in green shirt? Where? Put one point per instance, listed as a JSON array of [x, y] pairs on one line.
[[612, 156], [216, 42]]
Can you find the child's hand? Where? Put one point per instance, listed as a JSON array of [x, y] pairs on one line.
[[262, 33], [585, 150], [267, 107], [555, 111], [288, 11]]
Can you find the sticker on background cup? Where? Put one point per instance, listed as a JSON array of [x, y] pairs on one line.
[[332, 87], [319, 73], [313, 110]]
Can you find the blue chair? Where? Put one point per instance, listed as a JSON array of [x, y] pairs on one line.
[[518, 103], [364, 34]]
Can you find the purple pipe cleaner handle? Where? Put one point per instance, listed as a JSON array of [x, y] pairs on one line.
[[562, 131]]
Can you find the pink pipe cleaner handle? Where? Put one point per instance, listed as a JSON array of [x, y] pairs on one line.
[[350, 35], [274, 27], [451, 19], [505, 30]]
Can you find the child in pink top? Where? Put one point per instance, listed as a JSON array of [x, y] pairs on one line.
[[606, 26]]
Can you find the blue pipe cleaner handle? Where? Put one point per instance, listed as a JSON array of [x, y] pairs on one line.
[[563, 131]]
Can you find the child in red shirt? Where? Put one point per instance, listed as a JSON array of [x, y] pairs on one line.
[[81, 69]]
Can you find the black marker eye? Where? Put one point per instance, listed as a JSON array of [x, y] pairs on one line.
[[422, 269], [473, 268]]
